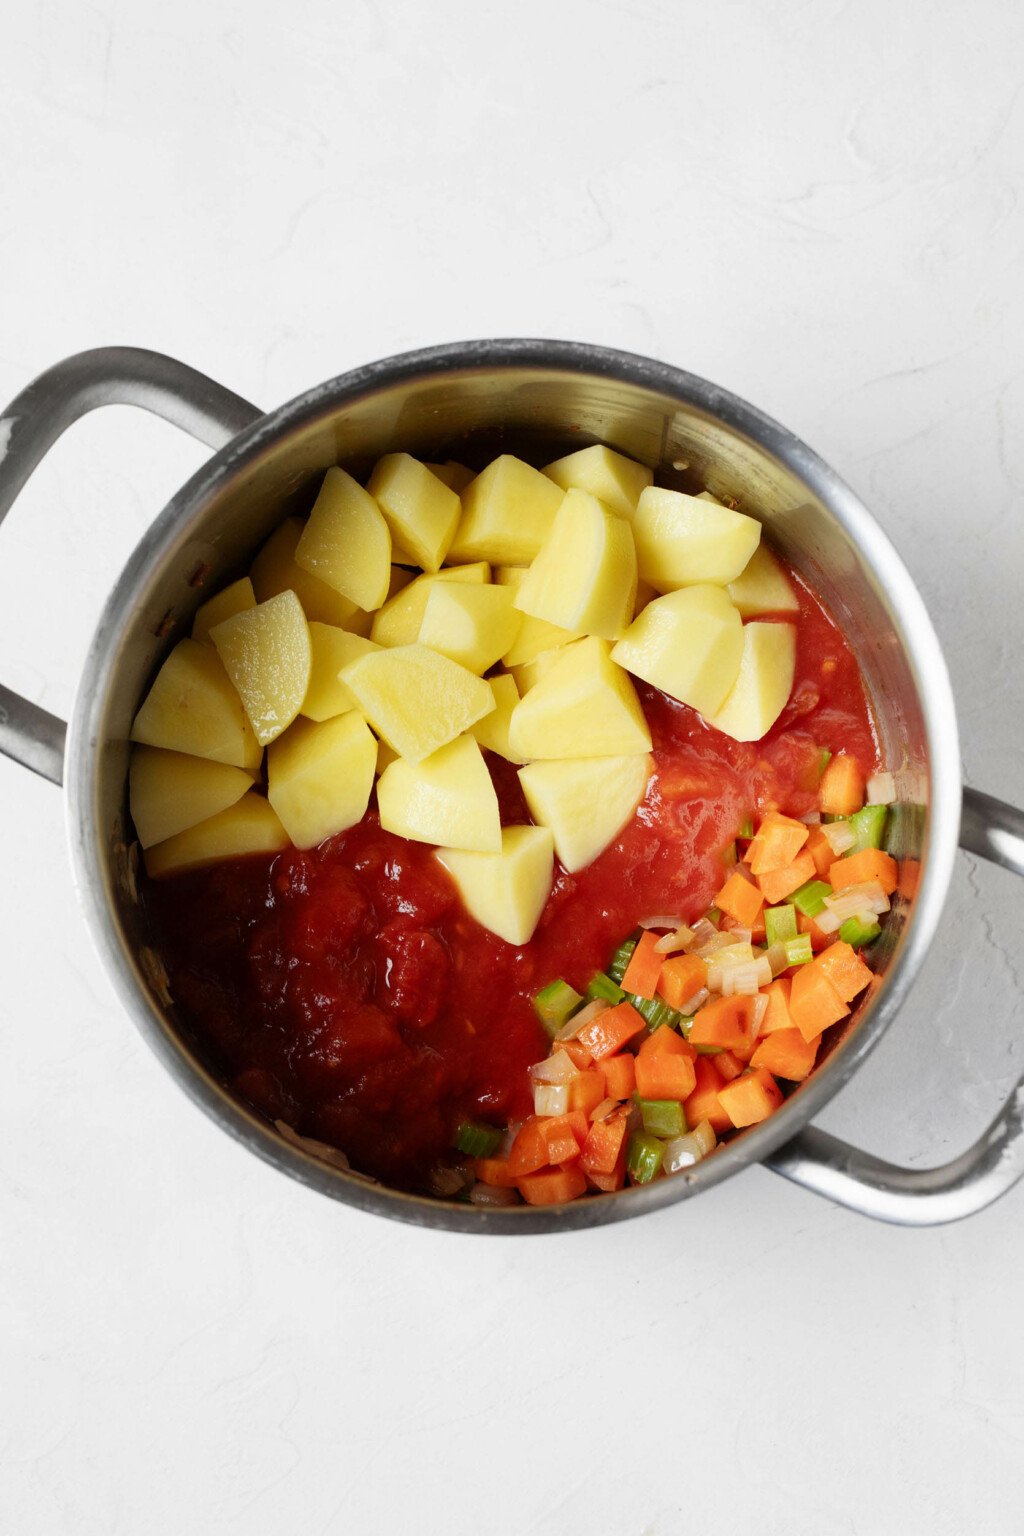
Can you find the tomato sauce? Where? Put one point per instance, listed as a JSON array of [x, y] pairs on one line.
[[346, 991]]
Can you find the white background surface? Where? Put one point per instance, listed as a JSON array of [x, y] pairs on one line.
[[815, 204]]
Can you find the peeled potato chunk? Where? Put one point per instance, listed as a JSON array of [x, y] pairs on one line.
[[192, 707], [170, 791], [505, 892], [529, 673], [584, 706], [446, 799], [474, 625], [248, 826], [224, 605], [492, 730], [455, 476], [398, 622], [275, 570], [267, 655], [761, 691], [319, 777], [584, 577], [330, 650], [417, 699], [763, 586], [610, 476], [507, 513], [688, 644], [346, 542], [682, 540], [585, 801], [421, 511], [535, 635]]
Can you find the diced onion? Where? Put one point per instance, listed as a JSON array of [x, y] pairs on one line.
[[492, 1194], [684, 1151], [551, 1099], [812, 819], [660, 922], [841, 837], [760, 1009], [855, 901], [672, 943], [571, 1029], [777, 958], [696, 1001], [741, 935], [448, 1181], [828, 922], [746, 980], [881, 789], [704, 1133], [557, 1068], [604, 1109], [703, 931]]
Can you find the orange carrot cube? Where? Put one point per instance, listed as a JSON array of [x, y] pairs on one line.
[[577, 1053], [644, 968], [561, 1139], [858, 868], [780, 883], [841, 791], [751, 1098], [814, 1003], [529, 1150], [587, 1091], [609, 1182], [727, 1065], [495, 1171], [844, 969], [681, 977], [664, 1074], [777, 1014], [619, 1076], [820, 850], [726, 1021], [786, 1053], [779, 839], [556, 1186], [606, 1141], [703, 1103], [741, 899], [609, 1031]]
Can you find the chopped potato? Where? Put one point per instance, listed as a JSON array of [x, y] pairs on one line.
[[491, 731], [610, 476], [765, 681], [417, 699], [455, 476], [474, 625], [267, 655], [689, 644], [447, 799], [505, 892], [584, 706], [535, 635], [170, 791], [330, 650], [586, 801], [398, 622], [584, 577], [319, 777], [684, 540], [275, 570], [192, 707], [420, 510], [529, 673], [248, 826], [346, 542], [224, 605], [507, 513], [763, 586]]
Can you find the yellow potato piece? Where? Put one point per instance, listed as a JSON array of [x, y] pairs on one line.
[[529, 673], [585, 802], [233, 599], [474, 625], [417, 699], [761, 691], [421, 511], [446, 799], [346, 542], [330, 650], [248, 826], [688, 644], [505, 892], [385, 756], [398, 622], [192, 707], [683, 540], [455, 476], [584, 577], [610, 476], [507, 513], [535, 635], [267, 655], [763, 586], [319, 777], [275, 570], [583, 706], [170, 791], [645, 594], [492, 731]]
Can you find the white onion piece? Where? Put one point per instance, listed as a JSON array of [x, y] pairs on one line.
[[812, 819], [703, 931], [778, 960], [741, 935], [828, 922], [551, 1099], [448, 1181], [881, 789], [840, 836], [672, 943], [492, 1194], [696, 1001], [558, 1068], [760, 1009], [604, 1109], [704, 1134], [660, 922], [582, 1018]]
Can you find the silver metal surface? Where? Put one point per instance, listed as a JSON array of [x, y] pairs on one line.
[[468, 401]]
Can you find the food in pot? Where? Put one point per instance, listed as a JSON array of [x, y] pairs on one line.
[[506, 718]]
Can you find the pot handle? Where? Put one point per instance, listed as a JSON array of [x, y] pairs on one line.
[[924, 1197], [32, 424]]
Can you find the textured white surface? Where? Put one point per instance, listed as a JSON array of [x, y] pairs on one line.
[[818, 205]]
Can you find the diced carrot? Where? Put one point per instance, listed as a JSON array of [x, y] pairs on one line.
[[681, 977], [556, 1186], [841, 791], [665, 1042], [786, 1054], [562, 1137], [908, 878], [820, 850], [529, 1150], [806, 924], [726, 1021], [577, 1053], [744, 1049], [587, 1090], [703, 1103], [777, 1014], [644, 968], [609, 1031], [495, 1171], [741, 899], [605, 1142], [610, 1182], [779, 839], [844, 969], [727, 1065], [662, 1071], [781, 883], [858, 868], [814, 1002], [619, 1075], [750, 1098]]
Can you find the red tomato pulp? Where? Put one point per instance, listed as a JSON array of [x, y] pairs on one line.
[[346, 991]]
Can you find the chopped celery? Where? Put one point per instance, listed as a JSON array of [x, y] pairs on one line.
[[824, 758], [554, 1003], [868, 825], [476, 1139], [653, 1011], [779, 923], [604, 989], [747, 829], [621, 959], [798, 951], [857, 933], [713, 916], [662, 1117], [644, 1156], [729, 855], [810, 898]]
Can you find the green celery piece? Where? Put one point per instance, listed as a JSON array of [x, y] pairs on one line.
[[602, 987], [713, 916], [857, 934], [868, 826], [780, 923], [621, 959], [799, 951], [824, 758], [662, 1117], [554, 1003], [653, 1011], [747, 829], [644, 1156], [475, 1139], [810, 898]]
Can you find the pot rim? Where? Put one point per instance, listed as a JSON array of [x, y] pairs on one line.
[[912, 623]]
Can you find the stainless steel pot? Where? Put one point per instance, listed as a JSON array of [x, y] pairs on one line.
[[539, 395]]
